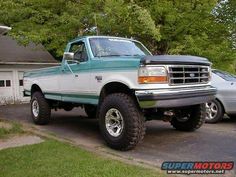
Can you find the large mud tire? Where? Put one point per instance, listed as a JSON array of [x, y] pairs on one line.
[[124, 108], [190, 119], [40, 109]]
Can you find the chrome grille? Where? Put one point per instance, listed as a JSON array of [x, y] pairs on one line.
[[188, 74]]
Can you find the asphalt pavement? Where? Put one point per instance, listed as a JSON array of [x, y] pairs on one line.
[[212, 142]]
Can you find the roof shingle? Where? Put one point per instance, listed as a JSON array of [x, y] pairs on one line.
[[11, 51]]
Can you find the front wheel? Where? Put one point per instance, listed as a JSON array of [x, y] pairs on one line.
[[121, 122], [40, 109], [215, 111], [189, 119]]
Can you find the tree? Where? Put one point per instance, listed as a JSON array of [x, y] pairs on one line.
[[192, 27], [225, 13], [204, 28], [54, 22], [51, 23]]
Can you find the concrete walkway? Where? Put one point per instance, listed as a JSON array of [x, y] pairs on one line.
[[19, 140]]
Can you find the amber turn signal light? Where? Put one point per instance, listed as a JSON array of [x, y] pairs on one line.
[[152, 79]]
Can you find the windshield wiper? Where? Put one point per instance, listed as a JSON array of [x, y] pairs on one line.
[[114, 55], [120, 55]]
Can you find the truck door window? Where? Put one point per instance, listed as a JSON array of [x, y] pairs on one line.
[[80, 52]]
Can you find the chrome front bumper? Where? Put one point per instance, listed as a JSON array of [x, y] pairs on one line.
[[176, 97]]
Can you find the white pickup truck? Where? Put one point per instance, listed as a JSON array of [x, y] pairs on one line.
[[118, 81]]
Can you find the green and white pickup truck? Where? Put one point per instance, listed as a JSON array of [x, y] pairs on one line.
[[118, 81]]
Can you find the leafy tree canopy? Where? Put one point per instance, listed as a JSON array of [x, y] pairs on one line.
[[197, 27]]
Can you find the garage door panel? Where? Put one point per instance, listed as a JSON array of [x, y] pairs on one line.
[[6, 89], [6, 75]]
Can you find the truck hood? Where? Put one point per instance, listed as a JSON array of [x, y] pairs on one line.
[[174, 60]]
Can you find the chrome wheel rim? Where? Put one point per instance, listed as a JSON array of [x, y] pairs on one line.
[[212, 110], [114, 122], [35, 108]]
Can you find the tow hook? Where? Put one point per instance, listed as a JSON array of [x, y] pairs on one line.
[[167, 116]]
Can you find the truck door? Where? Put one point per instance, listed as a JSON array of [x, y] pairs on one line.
[[75, 76]]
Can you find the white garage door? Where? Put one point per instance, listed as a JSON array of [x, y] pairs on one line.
[[6, 87]]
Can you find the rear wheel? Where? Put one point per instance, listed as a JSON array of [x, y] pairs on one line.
[[121, 122], [189, 119], [215, 112], [40, 109]]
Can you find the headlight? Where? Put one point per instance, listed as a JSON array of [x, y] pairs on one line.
[[152, 74]]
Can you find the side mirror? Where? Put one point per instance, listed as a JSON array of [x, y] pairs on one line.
[[68, 56]]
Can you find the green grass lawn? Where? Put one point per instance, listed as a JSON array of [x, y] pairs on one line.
[[55, 159], [15, 129]]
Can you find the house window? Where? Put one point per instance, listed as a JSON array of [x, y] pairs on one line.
[[2, 83], [21, 82], [8, 83]]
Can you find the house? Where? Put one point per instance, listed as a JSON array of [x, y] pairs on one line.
[[14, 60]]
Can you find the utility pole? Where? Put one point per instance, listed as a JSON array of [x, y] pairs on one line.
[[95, 19]]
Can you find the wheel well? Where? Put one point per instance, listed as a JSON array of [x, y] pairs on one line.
[[35, 88], [221, 104], [115, 87]]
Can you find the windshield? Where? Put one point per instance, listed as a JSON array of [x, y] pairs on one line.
[[105, 47], [226, 76]]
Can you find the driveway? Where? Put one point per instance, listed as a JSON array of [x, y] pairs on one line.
[[211, 142]]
